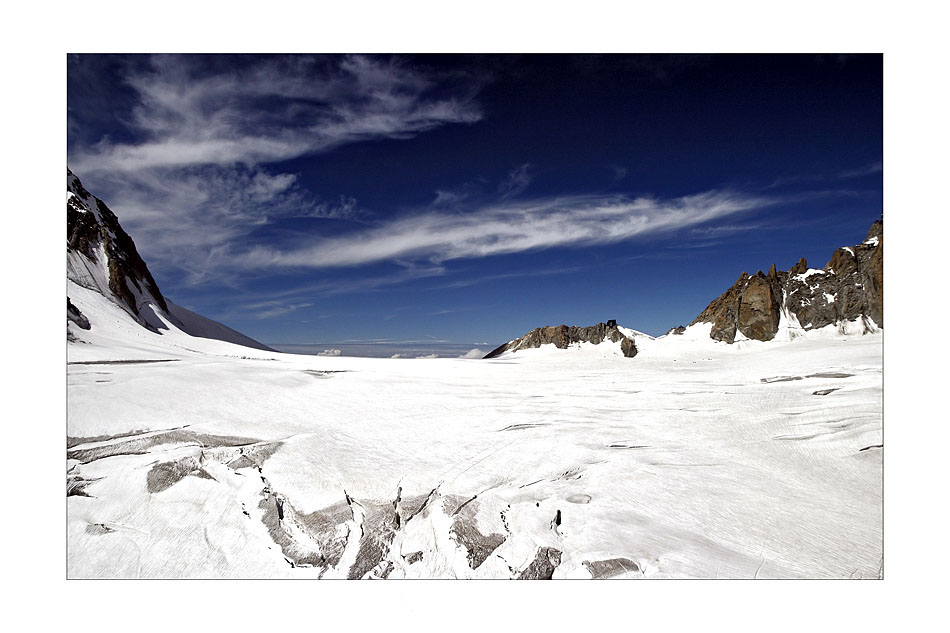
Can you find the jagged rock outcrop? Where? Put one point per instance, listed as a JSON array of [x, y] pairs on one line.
[[849, 287], [73, 314], [563, 336], [94, 233]]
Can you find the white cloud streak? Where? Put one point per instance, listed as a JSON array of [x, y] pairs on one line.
[[272, 309], [192, 185], [544, 272], [269, 110], [723, 230], [509, 227], [867, 170]]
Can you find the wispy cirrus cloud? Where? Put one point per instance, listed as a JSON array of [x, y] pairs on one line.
[[271, 309], [866, 170], [845, 174], [543, 272], [192, 218], [481, 190], [191, 111], [507, 227], [516, 182], [723, 230], [192, 176], [273, 303]]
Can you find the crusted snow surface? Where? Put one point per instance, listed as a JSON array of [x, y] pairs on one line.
[[697, 332], [872, 242], [198, 325], [116, 335], [636, 335], [693, 459]]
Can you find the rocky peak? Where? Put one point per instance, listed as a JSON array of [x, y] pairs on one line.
[[94, 235], [798, 268], [100, 256], [562, 336], [851, 286], [751, 307]]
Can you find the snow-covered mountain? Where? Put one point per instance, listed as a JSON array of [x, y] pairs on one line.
[[564, 336], [111, 295], [847, 295]]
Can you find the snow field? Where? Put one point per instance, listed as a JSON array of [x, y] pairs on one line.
[[682, 460]]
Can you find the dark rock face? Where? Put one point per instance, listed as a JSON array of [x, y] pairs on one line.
[[628, 347], [465, 532], [759, 307], [850, 286], [542, 567], [871, 260], [166, 474], [611, 567], [723, 312], [91, 224], [73, 314], [563, 336]]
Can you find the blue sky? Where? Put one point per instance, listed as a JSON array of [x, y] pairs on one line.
[[469, 199]]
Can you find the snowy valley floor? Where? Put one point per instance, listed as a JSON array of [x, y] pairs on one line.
[[694, 459]]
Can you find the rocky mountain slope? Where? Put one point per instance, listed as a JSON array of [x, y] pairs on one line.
[[101, 257], [563, 336], [849, 289]]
